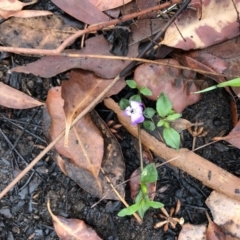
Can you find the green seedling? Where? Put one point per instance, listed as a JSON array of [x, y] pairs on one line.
[[142, 201], [231, 83], [166, 115]]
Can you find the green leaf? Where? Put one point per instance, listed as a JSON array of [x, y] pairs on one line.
[[154, 204], [149, 125], [131, 83], [124, 103], [145, 91], [232, 83], [149, 174], [136, 98], [173, 116], [206, 89], [166, 124], [149, 112], [164, 105], [129, 210], [143, 207], [139, 197], [160, 123], [171, 137]]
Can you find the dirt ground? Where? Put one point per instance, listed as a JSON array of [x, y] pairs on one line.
[[23, 211]]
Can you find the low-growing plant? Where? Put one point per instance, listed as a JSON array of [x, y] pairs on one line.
[[164, 113], [142, 201]]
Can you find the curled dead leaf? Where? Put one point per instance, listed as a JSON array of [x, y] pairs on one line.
[[73, 229]]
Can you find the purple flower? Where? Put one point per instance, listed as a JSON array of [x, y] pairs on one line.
[[135, 111]]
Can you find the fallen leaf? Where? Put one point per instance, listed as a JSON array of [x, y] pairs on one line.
[[80, 90], [12, 98], [226, 213], [233, 137], [104, 5], [209, 23], [46, 32], [29, 13], [8, 7], [189, 231], [81, 150], [82, 10], [214, 232], [111, 160], [181, 124], [53, 65], [142, 5], [73, 229], [171, 81]]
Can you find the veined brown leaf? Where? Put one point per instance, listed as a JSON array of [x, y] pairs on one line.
[[73, 229], [80, 90], [81, 150], [211, 22], [12, 98]]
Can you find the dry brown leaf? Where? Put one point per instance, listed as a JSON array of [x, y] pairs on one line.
[[73, 229], [82, 10], [8, 7], [112, 159], [209, 23], [29, 13], [82, 151], [104, 5], [233, 137], [105, 68], [194, 232], [226, 213], [80, 90], [169, 80], [12, 98], [46, 32], [203, 170]]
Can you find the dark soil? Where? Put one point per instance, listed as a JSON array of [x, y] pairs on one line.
[[23, 211]]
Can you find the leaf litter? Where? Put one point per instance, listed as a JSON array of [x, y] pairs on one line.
[[91, 168]]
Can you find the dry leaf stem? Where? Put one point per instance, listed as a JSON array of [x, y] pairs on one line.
[[208, 173]]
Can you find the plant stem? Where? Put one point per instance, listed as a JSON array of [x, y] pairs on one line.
[[140, 147]]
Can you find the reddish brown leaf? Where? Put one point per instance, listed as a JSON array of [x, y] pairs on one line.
[[73, 229], [12, 98], [142, 5], [82, 10], [80, 90], [211, 22], [105, 68], [46, 32], [104, 5], [169, 80], [233, 137], [112, 160], [8, 7], [234, 113], [81, 150], [214, 232]]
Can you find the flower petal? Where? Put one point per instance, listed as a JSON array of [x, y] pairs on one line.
[[137, 118], [136, 105], [128, 111]]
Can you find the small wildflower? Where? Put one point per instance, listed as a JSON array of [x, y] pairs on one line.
[[135, 111]]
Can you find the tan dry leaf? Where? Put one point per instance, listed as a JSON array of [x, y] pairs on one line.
[[45, 32], [225, 212], [82, 150], [28, 13], [206, 24], [8, 7], [12, 98], [80, 90], [189, 231], [73, 229]]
